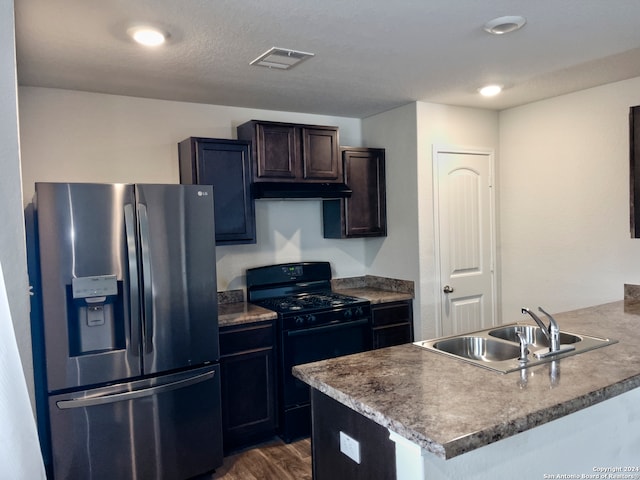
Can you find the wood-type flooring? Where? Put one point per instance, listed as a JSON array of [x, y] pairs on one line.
[[273, 460]]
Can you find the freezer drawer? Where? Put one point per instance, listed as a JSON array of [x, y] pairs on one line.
[[168, 427]]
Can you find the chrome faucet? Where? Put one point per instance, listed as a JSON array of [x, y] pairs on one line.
[[524, 345], [552, 332]]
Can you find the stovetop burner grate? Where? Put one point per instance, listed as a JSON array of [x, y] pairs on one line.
[[304, 302]]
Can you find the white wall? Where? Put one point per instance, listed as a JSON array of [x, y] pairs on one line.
[[443, 125], [12, 237], [19, 450], [564, 183], [79, 136], [397, 255]]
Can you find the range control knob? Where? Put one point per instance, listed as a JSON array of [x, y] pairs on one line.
[[299, 320], [348, 313], [311, 318], [359, 311]]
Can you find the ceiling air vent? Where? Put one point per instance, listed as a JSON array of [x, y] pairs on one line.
[[281, 58]]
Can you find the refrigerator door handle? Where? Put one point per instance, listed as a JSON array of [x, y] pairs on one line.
[[147, 277], [134, 286], [135, 394]]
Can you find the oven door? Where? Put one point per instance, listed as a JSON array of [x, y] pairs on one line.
[[318, 343]]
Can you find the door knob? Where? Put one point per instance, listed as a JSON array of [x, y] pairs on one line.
[[447, 289]]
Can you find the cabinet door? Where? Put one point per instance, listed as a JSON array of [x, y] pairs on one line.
[[225, 164], [364, 214], [248, 384], [248, 410], [634, 169], [320, 151], [278, 151]]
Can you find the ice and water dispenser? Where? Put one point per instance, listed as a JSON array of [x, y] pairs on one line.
[[96, 319]]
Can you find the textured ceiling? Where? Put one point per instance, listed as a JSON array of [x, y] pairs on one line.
[[370, 55]]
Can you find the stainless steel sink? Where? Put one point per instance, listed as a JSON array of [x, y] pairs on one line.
[[533, 334], [498, 348], [478, 348]]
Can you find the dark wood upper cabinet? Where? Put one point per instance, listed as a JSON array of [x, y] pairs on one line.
[[364, 214], [276, 150], [320, 154], [225, 164], [288, 152], [634, 169]]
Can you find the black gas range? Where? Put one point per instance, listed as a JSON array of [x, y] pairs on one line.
[[314, 323]]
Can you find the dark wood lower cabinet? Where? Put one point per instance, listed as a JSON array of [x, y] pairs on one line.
[[392, 323], [377, 452], [248, 384]]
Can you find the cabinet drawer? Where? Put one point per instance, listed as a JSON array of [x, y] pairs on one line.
[[391, 313], [392, 335], [246, 338]]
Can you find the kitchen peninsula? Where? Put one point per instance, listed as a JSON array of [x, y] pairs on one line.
[[442, 418]]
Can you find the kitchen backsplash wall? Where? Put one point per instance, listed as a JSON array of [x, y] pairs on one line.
[[374, 281], [87, 137]]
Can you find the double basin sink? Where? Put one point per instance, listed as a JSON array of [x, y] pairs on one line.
[[498, 348]]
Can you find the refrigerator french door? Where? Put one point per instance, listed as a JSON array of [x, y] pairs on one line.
[[129, 323]]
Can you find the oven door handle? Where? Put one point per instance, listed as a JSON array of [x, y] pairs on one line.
[[331, 326]]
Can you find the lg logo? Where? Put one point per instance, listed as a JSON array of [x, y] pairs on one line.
[[202, 194]]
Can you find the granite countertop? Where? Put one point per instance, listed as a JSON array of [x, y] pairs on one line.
[[376, 295], [449, 407], [233, 310], [375, 289], [238, 313]]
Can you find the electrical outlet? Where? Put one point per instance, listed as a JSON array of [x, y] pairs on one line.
[[350, 447]]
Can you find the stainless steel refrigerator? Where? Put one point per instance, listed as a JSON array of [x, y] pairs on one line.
[[127, 290]]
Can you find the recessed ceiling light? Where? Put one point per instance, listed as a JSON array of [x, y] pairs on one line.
[[490, 90], [147, 36], [281, 58], [502, 25]]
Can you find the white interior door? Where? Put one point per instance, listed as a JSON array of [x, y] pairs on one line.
[[465, 239]]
